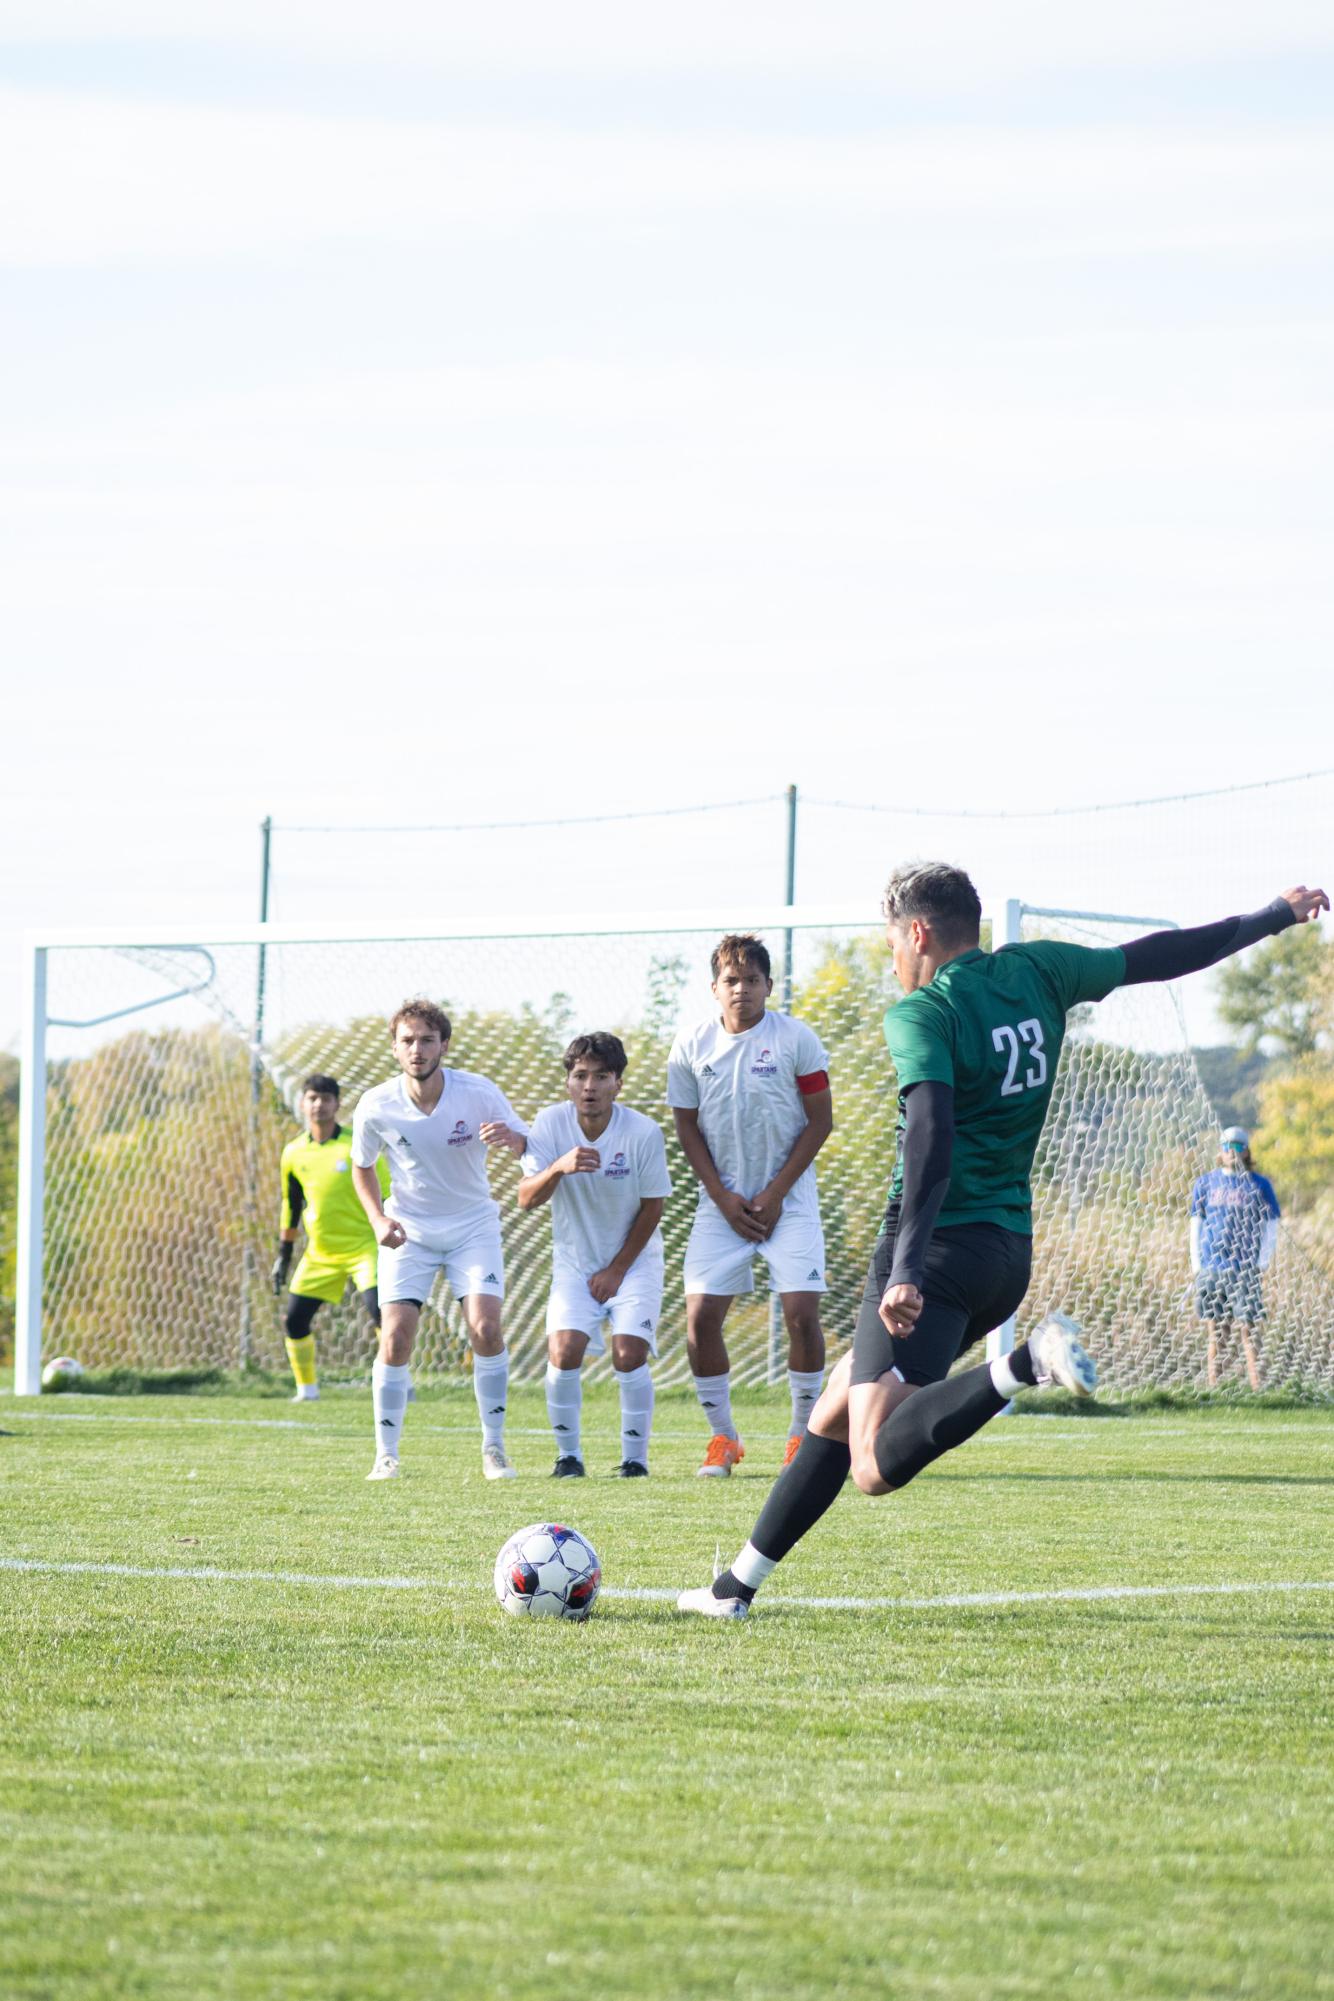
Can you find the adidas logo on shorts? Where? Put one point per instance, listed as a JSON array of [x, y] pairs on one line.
[[490, 1279], [812, 1274], [648, 1324]]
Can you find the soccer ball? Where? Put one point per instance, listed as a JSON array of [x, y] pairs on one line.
[[59, 1371], [548, 1572]]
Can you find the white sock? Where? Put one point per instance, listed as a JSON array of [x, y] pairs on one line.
[[490, 1386], [715, 1396], [1003, 1379], [751, 1568], [636, 1388], [390, 1382], [565, 1404], [805, 1390]]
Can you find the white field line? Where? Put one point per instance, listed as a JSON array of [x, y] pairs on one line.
[[1014, 1431], [965, 1600]]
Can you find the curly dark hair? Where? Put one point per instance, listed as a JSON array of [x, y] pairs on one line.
[[422, 1010]]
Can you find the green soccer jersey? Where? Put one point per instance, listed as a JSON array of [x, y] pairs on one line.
[[991, 1024], [318, 1191]]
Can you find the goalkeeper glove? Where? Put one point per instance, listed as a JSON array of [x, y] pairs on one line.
[[282, 1264]]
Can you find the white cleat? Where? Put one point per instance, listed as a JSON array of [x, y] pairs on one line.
[[703, 1601], [307, 1393], [385, 1467], [497, 1464], [1061, 1357]]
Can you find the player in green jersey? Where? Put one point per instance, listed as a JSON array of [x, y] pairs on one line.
[[340, 1244], [975, 1044]]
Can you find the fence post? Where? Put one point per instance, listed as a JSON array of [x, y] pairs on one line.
[[249, 1269], [774, 1367], [32, 1181]]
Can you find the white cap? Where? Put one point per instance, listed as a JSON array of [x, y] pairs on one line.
[[1234, 1136]]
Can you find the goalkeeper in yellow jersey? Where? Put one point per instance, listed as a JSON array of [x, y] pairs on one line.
[[340, 1244]]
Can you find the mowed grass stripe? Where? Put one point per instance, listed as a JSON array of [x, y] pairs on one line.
[[1024, 1428], [209, 1573]]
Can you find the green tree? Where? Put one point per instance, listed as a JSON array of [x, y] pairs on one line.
[[1296, 1134], [1281, 995], [1232, 1079]]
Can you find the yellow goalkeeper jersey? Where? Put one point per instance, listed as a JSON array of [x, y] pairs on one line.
[[318, 1192]]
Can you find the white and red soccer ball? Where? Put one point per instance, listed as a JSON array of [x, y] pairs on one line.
[[548, 1572]]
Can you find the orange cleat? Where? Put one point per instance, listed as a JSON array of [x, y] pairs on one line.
[[792, 1448], [721, 1457]]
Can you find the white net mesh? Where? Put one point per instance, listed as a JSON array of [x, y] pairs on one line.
[[1129, 1131], [165, 1129]]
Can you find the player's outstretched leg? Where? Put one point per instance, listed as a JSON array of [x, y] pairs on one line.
[[300, 1345], [634, 1380], [565, 1401], [711, 1371], [805, 1490], [942, 1415]]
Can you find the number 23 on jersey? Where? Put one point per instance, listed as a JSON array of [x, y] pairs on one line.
[[1021, 1044]]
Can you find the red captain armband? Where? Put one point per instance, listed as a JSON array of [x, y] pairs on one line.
[[817, 1081]]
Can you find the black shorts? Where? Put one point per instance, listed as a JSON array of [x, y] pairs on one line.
[[1229, 1295], [976, 1276]]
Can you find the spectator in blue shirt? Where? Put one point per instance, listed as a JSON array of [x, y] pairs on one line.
[[1233, 1230]]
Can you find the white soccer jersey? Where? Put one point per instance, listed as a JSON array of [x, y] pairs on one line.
[[745, 1090], [591, 1214], [437, 1162]]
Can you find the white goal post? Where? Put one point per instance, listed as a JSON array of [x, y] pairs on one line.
[[161, 1070]]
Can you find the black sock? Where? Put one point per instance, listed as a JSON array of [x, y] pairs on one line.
[[803, 1492], [933, 1421], [1021, 1361]]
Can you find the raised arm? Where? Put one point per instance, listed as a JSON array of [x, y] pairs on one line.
[[1168, 955], [535, 1189]]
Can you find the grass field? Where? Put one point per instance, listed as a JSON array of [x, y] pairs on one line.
[[265, 1732]]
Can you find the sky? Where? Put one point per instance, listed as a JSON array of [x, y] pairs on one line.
[[430, 414]]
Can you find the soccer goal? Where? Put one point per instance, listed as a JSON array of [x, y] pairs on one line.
[[161, 1072]]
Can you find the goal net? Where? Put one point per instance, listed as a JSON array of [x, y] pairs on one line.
[[173, 1070]]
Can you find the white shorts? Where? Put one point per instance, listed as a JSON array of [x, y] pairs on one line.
[[472, 1264], [635, 1309], [718, 1261]]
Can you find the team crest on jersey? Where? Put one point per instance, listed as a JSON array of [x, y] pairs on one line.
[[616, 1168], [340, 1167], [764, 1065], [461, 1134]]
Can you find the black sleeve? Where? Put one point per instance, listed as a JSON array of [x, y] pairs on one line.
[[296, 1198], [1166, 955], [928, 1146]]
